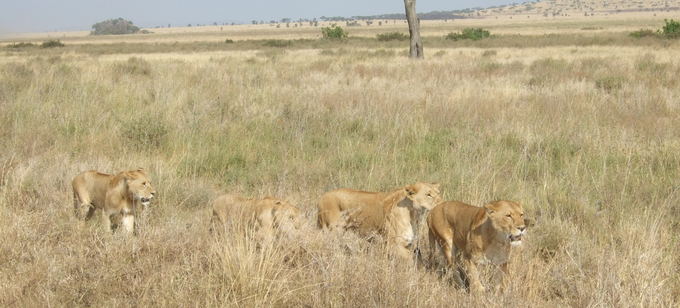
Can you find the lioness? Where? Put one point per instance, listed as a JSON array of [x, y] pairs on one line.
[[267, 215], [120, 197], [479, 234], [396, 214]]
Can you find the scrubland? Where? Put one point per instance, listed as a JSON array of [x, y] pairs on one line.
[[586, 136]]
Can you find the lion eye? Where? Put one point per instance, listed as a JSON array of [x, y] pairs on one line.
[[509, 215]]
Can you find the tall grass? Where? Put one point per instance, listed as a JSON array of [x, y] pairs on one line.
[[594, 161]]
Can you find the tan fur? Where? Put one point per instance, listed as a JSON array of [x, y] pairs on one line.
[[267, 216], [396, 214], [478, 234], [89, 192], [118, 196]]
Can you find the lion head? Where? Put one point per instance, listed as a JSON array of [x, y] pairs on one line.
[[285, 214], [139, 186], [507, 217], [423, 195]]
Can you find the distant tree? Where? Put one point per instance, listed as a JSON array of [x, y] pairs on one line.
[[334, 32], [114, 26]]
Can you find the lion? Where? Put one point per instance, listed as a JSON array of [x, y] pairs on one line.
[[395, 214], [120, 197], [266, 216], [480, 234]]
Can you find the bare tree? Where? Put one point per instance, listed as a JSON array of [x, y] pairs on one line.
[[416, 50]]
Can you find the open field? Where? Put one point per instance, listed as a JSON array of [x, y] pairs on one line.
[[498, 24], [586, 8], [581, 127]]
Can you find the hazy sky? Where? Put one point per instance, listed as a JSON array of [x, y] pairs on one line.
[[51, 15]]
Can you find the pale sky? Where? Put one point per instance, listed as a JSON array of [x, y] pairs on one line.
[[55, 15]]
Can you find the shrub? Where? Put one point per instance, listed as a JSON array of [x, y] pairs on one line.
[[21, 45], [114, 26], [469, 34], [642, 33], [392, 36], [52, 44], [609, 83], [334, 32], [277, 43], [228, 41], [671, 29]]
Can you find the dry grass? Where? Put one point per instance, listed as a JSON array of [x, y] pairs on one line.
[[585, 137]]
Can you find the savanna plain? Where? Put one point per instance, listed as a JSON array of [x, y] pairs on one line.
[[581, 126]]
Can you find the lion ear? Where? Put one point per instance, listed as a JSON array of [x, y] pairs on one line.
[[436, 186], [410, 190], [489, 209]]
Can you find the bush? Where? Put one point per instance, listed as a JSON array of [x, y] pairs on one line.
[[21, 45], [392, 36], [469, 34], [610, 83], [277, 43], [642, 33], [228, 41], [114, 26], [671, 29], [52, 44], [334, 32]]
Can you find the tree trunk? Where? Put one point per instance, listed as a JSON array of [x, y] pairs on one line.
[[416, 50]]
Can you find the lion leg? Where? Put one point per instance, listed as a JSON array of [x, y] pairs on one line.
[[432, 240], [450, 252], [128, 222], [81, 199], [331, 220], [106, 221], [505, 277], [476, 287], [90, 212]]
